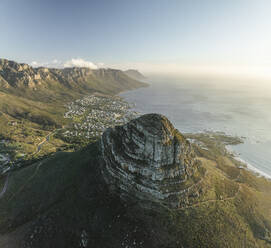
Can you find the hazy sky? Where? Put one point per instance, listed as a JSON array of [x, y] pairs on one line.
[[152, 35]]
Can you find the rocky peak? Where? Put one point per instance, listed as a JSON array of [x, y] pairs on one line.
[[148, 160], [4, 63]]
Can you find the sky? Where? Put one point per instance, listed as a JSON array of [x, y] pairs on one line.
[[154, 36]]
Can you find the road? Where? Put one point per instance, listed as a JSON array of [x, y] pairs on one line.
[[47, 138], [6, 183], [5, 187]]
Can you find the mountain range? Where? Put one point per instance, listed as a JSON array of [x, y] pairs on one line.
[[49, 83]]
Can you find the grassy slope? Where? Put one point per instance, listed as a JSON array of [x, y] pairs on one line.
[[34, 188], [240, 213], [42, 113], [26, 122]]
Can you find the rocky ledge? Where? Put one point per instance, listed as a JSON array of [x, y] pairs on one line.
[[150, 161]]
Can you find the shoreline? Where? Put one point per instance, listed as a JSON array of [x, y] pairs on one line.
[[248, 166], [146, 85], [257, 172]]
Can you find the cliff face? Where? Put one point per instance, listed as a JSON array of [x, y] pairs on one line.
[[148, 159]]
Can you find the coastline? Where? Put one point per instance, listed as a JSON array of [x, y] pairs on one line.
[[259, 169], [257, 172], [144, 85]]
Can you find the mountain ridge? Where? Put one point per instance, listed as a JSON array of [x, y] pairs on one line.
[[41, 82]]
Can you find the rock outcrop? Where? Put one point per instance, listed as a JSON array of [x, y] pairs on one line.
[[150, 161]]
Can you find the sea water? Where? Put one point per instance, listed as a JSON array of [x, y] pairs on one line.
[[237, 107]]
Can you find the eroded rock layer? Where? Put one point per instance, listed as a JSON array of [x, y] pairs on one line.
[[150, 161]]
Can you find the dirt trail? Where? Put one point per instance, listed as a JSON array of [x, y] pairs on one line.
[[211, 200], [216, 200]]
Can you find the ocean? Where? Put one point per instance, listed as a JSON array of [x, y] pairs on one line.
[[237, 107]]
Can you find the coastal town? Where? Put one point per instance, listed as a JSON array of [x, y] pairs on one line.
[[91, 115]]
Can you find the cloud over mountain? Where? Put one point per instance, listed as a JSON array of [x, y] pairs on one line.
[[74, 62], [55, 63], [80, 63]]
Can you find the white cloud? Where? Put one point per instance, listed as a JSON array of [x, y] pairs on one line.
[[39, 64], [34, 64], [80, 63], [55, 63], [101, 65]]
